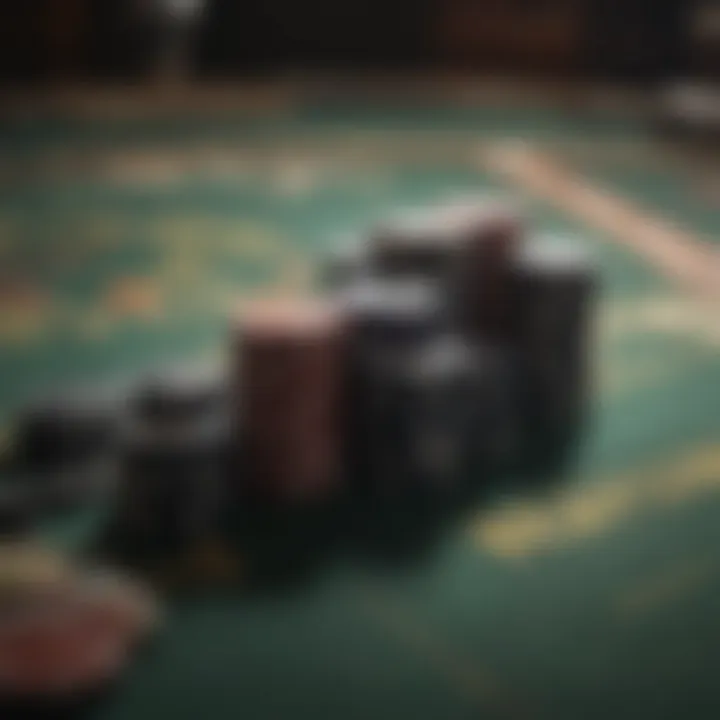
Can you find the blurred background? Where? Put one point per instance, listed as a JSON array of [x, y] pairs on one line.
[[120, 39]]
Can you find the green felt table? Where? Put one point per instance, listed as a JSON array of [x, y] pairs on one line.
[[129, 242]]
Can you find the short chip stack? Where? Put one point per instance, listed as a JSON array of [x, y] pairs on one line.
[[290, 371], [173, 449]]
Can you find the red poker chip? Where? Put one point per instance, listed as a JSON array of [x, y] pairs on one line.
[[57, 653], [290, 367], [117, 607], [72, 643]]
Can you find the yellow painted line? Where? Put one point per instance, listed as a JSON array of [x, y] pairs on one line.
[[530, 527], [473, 682], [618, 382], [670, 586], [679, 253]]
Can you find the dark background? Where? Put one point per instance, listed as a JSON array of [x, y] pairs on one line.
[[628, 39]]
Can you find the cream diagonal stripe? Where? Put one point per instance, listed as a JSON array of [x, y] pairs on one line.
[[678, 253]]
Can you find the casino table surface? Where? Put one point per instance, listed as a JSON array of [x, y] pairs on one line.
[[127, 240]]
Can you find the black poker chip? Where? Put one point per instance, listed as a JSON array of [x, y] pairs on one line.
[[63, 431], [554, 285], [172, 454], [459, 415], [392, 313], [416, 243]]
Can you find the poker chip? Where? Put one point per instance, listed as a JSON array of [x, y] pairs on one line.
[[62, 431], [554, 282], [66, 631], [413, 243], [290, 367], [489, 235], [460, 418], [393, 313], [176, 397], [388, 321], [56, 652], [172, 448], [118, 604]]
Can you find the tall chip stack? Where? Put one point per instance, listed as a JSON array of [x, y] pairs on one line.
[[554, 284], [290, 372], [488, 234], [388, 322]]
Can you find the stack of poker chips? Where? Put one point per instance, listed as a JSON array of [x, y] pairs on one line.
[[487, 236], [290, 368], [459, 417], [553, 288], [445, 341], [468, 340], [60, 449], [387, 321], [173, 447]]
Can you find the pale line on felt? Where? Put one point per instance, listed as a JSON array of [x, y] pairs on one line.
[[680, 254], [476, 683], [665, 588]]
